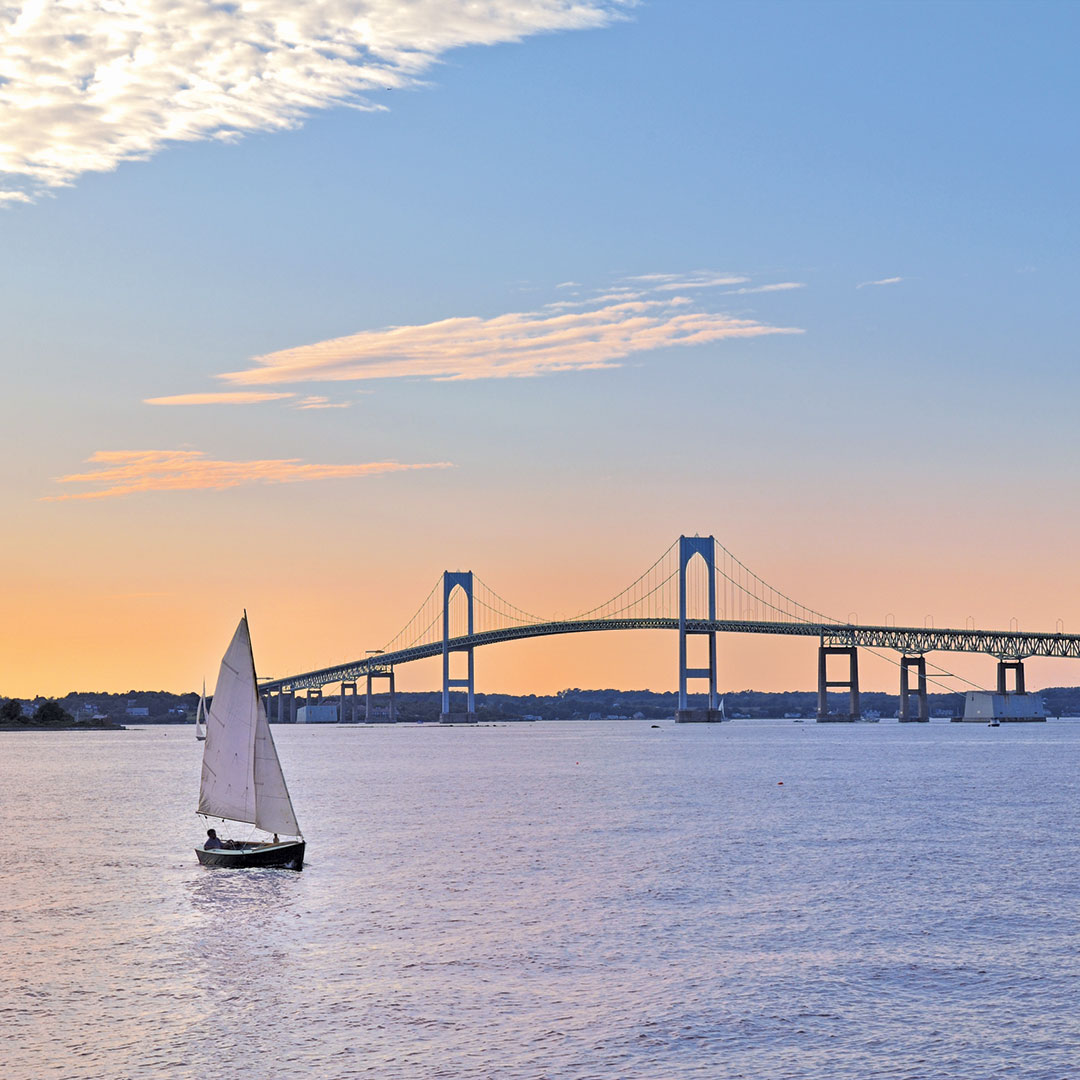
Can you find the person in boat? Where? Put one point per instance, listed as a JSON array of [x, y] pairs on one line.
[[212, 840]]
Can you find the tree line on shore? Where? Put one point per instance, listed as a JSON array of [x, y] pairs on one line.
[[96, 709], [46, 714]]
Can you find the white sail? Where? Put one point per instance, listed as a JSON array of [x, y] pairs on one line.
[[241, 774], [273, 807], [200, 715]]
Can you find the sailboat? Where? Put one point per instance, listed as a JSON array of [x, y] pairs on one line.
[[200, 716], [241, 775]]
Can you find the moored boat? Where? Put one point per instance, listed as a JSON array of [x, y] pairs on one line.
[[200, 716]]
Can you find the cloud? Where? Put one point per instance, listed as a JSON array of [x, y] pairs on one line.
[[317, 402], [86, 85], [220, 397], [780, 286], [883, 281], [703, 281], [506, 346], [129, 472]]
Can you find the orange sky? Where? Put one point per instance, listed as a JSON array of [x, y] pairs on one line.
[[131, 594]]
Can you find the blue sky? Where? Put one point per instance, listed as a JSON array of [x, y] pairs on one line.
[[906, 172]]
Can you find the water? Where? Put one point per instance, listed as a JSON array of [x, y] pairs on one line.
[[553, 900]]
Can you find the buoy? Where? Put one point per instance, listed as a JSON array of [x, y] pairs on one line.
[[779, 783]]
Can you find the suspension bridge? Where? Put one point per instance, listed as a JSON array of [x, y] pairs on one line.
[[696, 588]]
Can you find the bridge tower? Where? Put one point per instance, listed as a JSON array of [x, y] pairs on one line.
[[922, 716], [851, 684], [453, 579], [386, 673], [689, 547], [1003, 669], [348, 692]]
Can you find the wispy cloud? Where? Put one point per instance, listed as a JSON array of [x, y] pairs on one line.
[[221, 397], [672, 283], [130, 472], [85, 85], [882, 281], [317, 402], [513, 345], [780, 286]]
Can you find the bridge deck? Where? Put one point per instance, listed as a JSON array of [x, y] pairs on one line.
[[1005, 645]]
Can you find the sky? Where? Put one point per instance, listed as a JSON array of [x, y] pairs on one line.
[[301, 307]]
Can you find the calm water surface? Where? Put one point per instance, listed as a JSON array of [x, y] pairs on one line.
[[553, 900]]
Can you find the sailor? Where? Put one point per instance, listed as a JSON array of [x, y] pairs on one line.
[[212, 840]]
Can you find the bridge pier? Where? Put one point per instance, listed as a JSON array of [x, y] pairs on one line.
[[851, 684], [369, 711], [689, 547], [346, 687], [923, 714], [1003, 669], [453, 579], [286, 699]]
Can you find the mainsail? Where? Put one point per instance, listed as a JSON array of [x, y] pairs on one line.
[[241, 774]]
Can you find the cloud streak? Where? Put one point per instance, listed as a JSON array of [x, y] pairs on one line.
[[118, 473], [86, 85], [780, 286], [515, 345], [221, 397], [882, 281]]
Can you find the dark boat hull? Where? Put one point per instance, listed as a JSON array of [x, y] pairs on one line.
[[286, 856]]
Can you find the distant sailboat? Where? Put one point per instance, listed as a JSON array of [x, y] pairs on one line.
[[241, 774], [723, 715], [200, 716]]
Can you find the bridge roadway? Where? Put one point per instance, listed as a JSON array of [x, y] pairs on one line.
[[909, 640]]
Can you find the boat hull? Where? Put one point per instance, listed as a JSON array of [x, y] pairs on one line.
[[286, 856]]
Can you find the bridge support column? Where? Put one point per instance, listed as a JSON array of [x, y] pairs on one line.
[[689, 547], [453, 580], [292, 706], [1003, 669], [369, 710], [922, 715], [851, 684], [348, 690]]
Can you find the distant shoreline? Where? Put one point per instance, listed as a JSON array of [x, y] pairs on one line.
[[62, 727]]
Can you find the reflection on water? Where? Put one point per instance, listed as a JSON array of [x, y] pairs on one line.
[[552, 900]]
